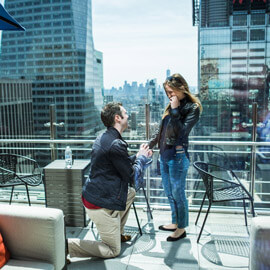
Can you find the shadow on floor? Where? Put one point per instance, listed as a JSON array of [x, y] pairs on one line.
[[223, 250]]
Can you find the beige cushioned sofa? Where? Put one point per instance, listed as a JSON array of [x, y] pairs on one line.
[[35, 237]]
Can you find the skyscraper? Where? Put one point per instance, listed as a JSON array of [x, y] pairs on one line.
[[98, 79], [16, 115], [233, 62], [57, 53]]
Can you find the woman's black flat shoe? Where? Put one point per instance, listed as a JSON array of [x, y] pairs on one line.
[[172, 239], [162, 228]]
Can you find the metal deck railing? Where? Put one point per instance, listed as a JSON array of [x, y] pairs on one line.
[[234, 154]]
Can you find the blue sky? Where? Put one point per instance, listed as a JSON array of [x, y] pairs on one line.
[[140, 39]]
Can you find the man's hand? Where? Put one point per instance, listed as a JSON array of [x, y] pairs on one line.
[[144, 151], [174, 102]]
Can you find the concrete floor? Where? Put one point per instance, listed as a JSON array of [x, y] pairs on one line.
[[224, 245]]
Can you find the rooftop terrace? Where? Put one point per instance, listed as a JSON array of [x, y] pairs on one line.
[[224, 244]]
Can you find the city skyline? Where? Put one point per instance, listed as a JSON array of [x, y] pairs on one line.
[[141, 40]]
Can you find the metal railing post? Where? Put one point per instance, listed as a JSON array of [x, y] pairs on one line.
[[53, 132], [253, 151], [147, 130], [52, 125]]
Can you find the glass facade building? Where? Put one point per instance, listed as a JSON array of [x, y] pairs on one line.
[[234, 60], [16, 115], [57, 54], [234, 54]]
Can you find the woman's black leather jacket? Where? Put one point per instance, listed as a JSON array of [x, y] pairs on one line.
[[182, 120]]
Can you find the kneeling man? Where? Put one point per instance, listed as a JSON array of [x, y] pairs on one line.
[[106, 194]]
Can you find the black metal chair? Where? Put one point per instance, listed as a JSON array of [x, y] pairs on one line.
[[148, 209], [18, 170], [139, 184], [221, 185]]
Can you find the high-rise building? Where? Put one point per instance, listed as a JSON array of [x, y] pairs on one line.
[[151, 90], [98, 79], [16, 114], [108, 98], [233, 62], [168, 73], [57, 54], [133, 120]]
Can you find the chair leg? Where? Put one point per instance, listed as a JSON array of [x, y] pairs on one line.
[[200, 209], [28, 197], [245, 211], [252, 208], [135, 211], [147, 203], [208, 210], [11, 195]]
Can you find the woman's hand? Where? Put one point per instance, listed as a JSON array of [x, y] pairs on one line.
[[174, 102], [144, 150]]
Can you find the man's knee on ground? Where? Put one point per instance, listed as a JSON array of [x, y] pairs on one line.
[[112, 254], [116, 252]]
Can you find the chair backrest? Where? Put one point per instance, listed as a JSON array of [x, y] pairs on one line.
[[15, 167], [209, 172], [207, 178], [9, 163]]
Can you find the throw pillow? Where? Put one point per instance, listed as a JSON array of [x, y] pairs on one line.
[[4, 253]]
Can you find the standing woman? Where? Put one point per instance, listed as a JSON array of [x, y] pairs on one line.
[[179, 117]]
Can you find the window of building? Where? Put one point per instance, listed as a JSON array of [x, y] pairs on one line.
[[240, 20], [257, 34], [46, 17], [37, 18], [66, 22], [257, 19], [239, 35], [66, 7], [56, 8], [56, 23]]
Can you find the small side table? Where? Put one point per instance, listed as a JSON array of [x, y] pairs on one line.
[[63, 189]]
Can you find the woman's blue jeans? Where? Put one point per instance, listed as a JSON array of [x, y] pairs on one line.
[[174, 172]]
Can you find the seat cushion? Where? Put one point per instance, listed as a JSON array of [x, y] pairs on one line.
[[27, 265], [4, 253]]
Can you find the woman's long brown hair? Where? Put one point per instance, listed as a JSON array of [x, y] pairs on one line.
[[179, 84]]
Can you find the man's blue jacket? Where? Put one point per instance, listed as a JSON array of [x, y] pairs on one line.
[[112, 170]]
